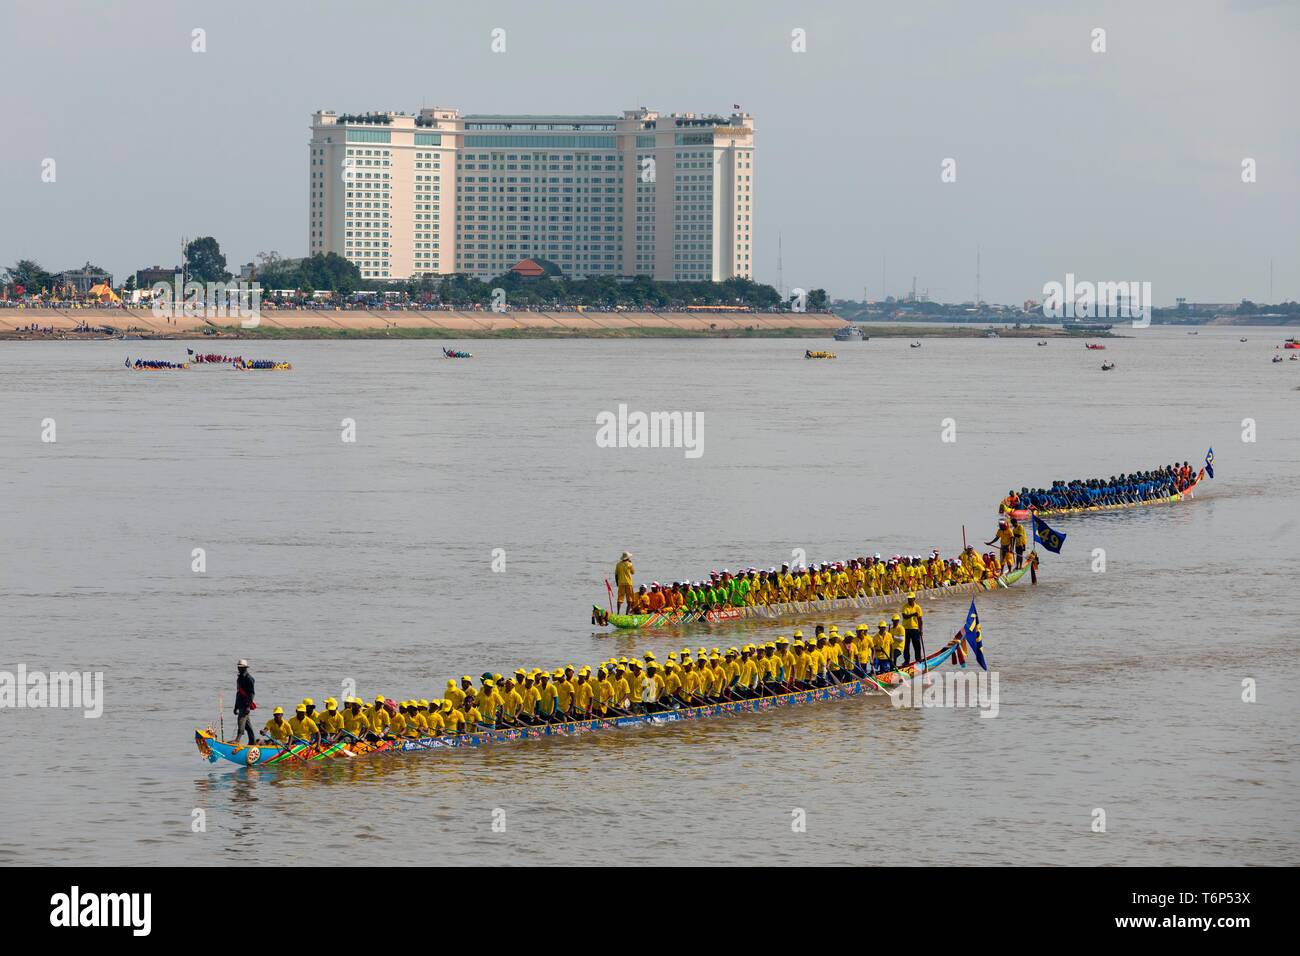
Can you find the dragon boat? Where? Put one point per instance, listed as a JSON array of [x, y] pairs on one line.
[[213, 749], [1024, 514], [456, 353], [795, 609]]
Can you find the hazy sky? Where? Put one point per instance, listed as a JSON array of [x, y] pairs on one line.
[[1114, 166]]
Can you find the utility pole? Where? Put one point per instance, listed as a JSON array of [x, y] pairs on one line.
[[978, 298]]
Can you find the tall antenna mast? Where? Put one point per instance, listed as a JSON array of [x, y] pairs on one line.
[[978, 299], [780, 274]]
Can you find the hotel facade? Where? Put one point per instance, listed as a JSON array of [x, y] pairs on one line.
[[667, 196]]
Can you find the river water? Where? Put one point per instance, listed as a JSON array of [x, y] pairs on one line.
[[1121, 691]]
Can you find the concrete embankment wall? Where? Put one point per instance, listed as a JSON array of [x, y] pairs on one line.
[[467, 323]]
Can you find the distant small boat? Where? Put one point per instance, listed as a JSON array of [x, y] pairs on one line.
[[1089, 345], [1278, 358], [992, 334], [1243, 340], [850, 333], [1107, 367], [1193, 333], [1042, 343], [1291, 344], [818, 355], [456, 353], [916, 345]]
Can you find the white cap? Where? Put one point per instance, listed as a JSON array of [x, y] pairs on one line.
[[242, 663]]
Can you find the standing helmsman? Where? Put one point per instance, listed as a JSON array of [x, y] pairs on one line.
[[623, 572], [244, 705], [913, 629]]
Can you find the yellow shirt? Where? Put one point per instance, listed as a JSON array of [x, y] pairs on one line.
[[489, 703], [355, 724], [532, 697], [436, 724], [455, 695], [277, 731], [623, 572], [303, 727], [512, 703], [329, 723], [582, 695], [604, 693], [912, 615], [564, 692]]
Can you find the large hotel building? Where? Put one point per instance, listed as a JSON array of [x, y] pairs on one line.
[[667, 196]]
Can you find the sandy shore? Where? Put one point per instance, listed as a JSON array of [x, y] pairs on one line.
[[468, 324]]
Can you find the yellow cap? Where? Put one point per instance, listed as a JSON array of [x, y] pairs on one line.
[[308, 702], [278, 710]]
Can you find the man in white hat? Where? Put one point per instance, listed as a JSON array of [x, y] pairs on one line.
[[244, 705], [623, 572]]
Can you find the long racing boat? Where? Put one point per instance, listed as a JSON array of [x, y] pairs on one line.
[[262, 755], [793, 609], [1024, 514]]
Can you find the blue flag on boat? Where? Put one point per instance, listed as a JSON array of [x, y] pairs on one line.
[[1044, 535], [1209, 462], [971, 632]]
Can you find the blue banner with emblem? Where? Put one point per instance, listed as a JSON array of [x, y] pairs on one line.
[[1209, 462], [1044, 535], [971, 632]]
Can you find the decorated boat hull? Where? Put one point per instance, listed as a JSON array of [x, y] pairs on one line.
[[258, 755], [794, 609], [1022, 514]]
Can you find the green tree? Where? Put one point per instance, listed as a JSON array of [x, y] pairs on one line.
[[28, 274], [205, 261]]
